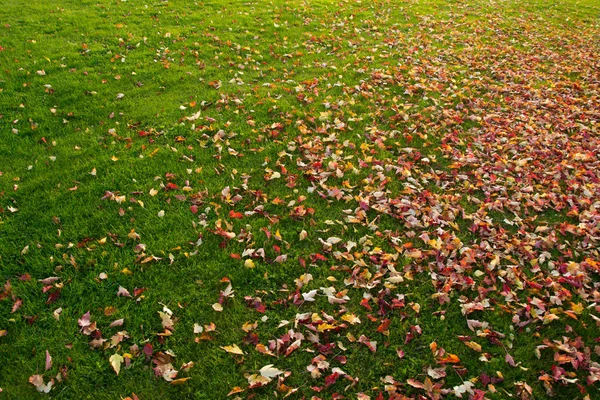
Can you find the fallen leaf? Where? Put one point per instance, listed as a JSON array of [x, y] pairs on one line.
[[115, 361], [233, 349], [38, 382], [117, 322], [48, 361], [268, 371]]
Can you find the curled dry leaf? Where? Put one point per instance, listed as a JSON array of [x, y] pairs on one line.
[[48, 361], [38, 382]]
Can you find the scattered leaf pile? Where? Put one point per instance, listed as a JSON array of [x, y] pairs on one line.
[[420, 196]]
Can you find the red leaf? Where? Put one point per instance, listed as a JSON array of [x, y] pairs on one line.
[[331, 379], [384, 325], [236, 215], [148, 350], [365, 304], [53, 296]]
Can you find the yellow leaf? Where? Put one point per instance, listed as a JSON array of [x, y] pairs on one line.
[[325, 327], [247, 327], [549, 318], [351, 318], [577, 308], [115, 361], [179, 381], [235, 390], [233, 349], [475, 346]]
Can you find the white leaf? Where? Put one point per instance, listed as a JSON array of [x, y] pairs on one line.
[[333, 240], [123, 292], [268, 371], [310, 296]]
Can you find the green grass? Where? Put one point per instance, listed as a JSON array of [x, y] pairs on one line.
[[271, 81]]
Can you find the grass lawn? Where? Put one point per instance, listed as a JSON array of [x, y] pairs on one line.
[[309, 199]]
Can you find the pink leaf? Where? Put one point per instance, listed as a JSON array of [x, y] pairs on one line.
[[48, 361], [123, 292], [84, 320], [510, 360]]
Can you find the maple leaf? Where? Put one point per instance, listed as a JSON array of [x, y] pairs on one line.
[[115, 362], [38, 382], [123, 292], [351, 318], [310, 296], [269, 372], [235, 215], [473, 345], [371, 344], [166, 320], [257, 380], [416, 384], [87, 326], [509, 360], [466, 387], [233, 349], [248, 326], [436, 373]]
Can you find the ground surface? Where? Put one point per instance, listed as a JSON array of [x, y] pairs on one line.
[[360, 199]]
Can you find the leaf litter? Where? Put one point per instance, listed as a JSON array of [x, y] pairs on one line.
[[468, 166]]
